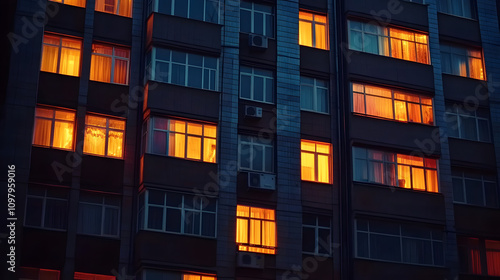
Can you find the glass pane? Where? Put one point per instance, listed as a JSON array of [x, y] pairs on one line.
[[362, 245], [34, 211], [245, 21], [490, 194], [384, 247], [155, 217], [308, 239], [306, 97], [63, 135], [196, 9], [305, 32], [417, 251], [308, 166], [474, 192], [208, 224], [181, 8], [258, 23], [173, 220], [56, 213], [258, 89], [245, 86], [111, 221], [468, 128], [42, 132], [324, 241], [458, 190], [484, 130], [258, 158], [193, 147]]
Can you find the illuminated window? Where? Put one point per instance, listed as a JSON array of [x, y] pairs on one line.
[[98, 215], [256, 84], [104, 136], [479, 256], [256, 154], [117, 7], [461, 8], [54, 128], [316, 161], [392, 242], [389, 41], [109, 64], [313, 30], [314, 95], [29, 273], [177, 213], [257, 18], [468, 124], [462, 61], [184, 69], [474, 188], [391, 104], [46, 208], [189, 140], [197, 277], [256, 229], [78, 3], [205, 10], [404, 171], [88, 276], [316, 237], [61, 55]]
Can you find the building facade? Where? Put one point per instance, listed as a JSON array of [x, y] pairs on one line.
[[265, 139]]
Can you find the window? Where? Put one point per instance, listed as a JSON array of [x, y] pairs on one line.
[[88, 276], [257, 18], [109, 64], [78, 3], [313, 30], [61, 55], [391, 104], [417, 1], [104, 136], [399, 243], [474, 188], [314, 95], [389, 41], [54, 128], [117, 7], [46, 208], [188, 140], [197, 277], [30, 273], [404, 171], [462, 61], [316, 161], [256, 84], [98, 215], [316, 238], [184, 69], [470, 125], [479, 256], [256, 154], [256, 229], [177, 213], [461, 8], [205, 10]]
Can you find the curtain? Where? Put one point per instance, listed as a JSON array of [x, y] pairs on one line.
[[193, 147], [55, 213], [63, 135], [120, 71], [241, 230], [99, 5], [100, 68], [307, 166], [423, 53], [115, 144], [380, 107], [46, 274], [176, 144], [305, 29], [432, 182], [78, 3], [493, 262], [90, 218], [323, 168], [70, 57], [95, 140], [255, 232], [50, 55], [320, 34], [476, 68], [125, 8], [209, 149], [269, 233], [418, 178], [475, 261], [111, 221], [400, 113], [427, 115], [414, 114], [190, 277], [358, 102], [404, 176], [42, 133], [159, 142]]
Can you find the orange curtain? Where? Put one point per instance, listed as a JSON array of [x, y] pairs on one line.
[[99, 6], [308, 166], [400, 113], [50, 54], [323, 168], [358, 102], [414, 114], [305, 33], [100, 68], [121, 71], [125, 8], [43, 130], [320, 32], [70, 57], [78, 3], [115, 144], [94, 140], [63, 135]]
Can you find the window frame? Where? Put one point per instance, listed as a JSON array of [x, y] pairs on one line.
[[168, 78], [449, 8], [455, 111], [113, 57], [64, 2], [316, 228], [108, 130], [478, 245], [316, 162], [104, 205], [59, 50], [153, 6], [256, 141], [143, 213], [451, 50], [53, 121], [313, 23], [462, 176], [315, 94], [248, 247], [393, 99], [116, 8], [244, 71], [383, 35], [44, 199], [253, 11]]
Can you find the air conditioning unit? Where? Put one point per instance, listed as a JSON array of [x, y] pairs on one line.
[[253, 111], [257, 41], [251, 260], [261, 181]]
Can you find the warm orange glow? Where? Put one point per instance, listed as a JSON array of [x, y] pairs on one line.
[[255, 229], [390, 104], [61, 55], [313, 30], [118, 7], [109, 64], [192, 140], [88, 276], [54, 128], [197, 277], [493, 257], [104, 136], [316, 162], [408, 45], [417, 173], [78, 3]]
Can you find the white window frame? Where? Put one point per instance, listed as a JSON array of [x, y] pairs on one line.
[[143, 221], [212, 72], [44, 199], [254, 141], [483, 180], [254, 11], [104, 206], [113, 57], [153, 4], [316, 228], [400, 236], [250, 72], [316, 102], [455, 111]]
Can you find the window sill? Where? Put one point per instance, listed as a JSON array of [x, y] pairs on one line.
[[475, 141], [113, 14], [469, 78], [476, 206], [192, 160], [327, 49], [391, 120], [76, 76], [316, 182], [112, 237], [53, 148], [255, 171], [317, 112], [401, 263], [177, 233], [467, 18], [263, 102], [393, 188], [102, 156]]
